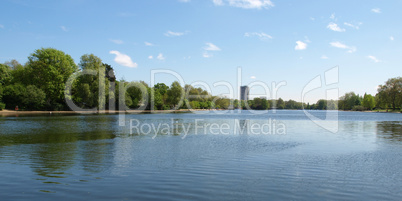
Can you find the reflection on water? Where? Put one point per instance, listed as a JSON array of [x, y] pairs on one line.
[[70, 157], [390, 130]]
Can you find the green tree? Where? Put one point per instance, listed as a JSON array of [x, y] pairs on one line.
[[13, 95], [13, 64], [49, 70], [162, 88], [136, 94], [349, 100], [368, 101], [321, 104], [280, 104], [2, 105], [33, 98], [391, 92], [109, 72], [5, 74], [158, 100], [332, 105], [222, 103], [91, 90], [174, 94]]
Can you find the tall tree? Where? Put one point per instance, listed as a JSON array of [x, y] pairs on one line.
[[175, 94], [5, 74], [90, 89], [391, 92], [280, 104], [49, 70], [349, 100], [109, 72], [368, 101]]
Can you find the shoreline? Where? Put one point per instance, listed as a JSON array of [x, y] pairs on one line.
[[5, 113], [13, 112]]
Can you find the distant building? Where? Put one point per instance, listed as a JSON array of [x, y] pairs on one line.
[[244, 92]]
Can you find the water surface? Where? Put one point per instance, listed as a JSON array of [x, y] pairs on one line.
[[83, 157]]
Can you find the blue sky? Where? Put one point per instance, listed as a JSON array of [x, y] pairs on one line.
[[206, 40]]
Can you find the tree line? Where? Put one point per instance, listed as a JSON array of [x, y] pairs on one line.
[[40, 84]]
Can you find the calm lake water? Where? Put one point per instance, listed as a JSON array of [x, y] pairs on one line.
[[201, 156]]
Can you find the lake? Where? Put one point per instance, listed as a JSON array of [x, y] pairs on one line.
[[228, 155]]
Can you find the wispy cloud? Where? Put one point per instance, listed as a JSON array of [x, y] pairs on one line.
[[262, 36], [148, 44], [246, 4], [391, 38], [373, 58], [218, 2], [355, 26], [324, 57], [173, 34], [253, 77], [340, 45], [335, 27], [211, 47], [332, 17], [300, 45], [1, 26], [63, 28], [116, 41], [123, 59], [160, 57], [207, 55], [376, 10], [150, 57], [184, 1]]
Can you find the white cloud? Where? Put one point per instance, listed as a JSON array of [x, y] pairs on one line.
[[116, 41], [218, 2], [207, 55], [262, 35], [184, 1], [373, 58], [63, 28], [376, 10], [1, 26], [150, 57], [391, 38], [252, 77], [148, 44], [300, 45], [160, 57], [123, 59], [332, 16], [355, 26], [340, 45], [173, 34], [211, 47], [324, 57], [335, 27], [246, 4]]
